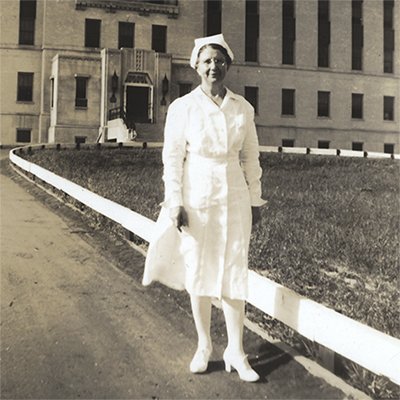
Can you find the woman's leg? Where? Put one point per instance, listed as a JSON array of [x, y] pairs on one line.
[[201, 309], [234, 318], [234, 355]]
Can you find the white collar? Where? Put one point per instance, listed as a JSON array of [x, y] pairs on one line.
[[229, 94]]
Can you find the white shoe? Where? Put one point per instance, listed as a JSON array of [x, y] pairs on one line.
[[241, 365], [200, 360]]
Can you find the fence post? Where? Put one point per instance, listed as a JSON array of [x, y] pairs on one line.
[[326, 357], [129, 235]]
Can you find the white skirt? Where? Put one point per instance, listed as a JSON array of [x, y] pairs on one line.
[[210, 256]]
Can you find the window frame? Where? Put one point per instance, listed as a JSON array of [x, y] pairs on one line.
[[81, 102], [355, 96], [357, 144], [288, 143], [92, 39], [252, 31], [322, 104], [27, 17], [252, 98], [388, 37], [123, 36], [324, 144], [20, 131], [213, 14], [357, 35], [292, 102], [24, 90], [288, 32], [157, 36], [386, 148], [52, 88], [79, 139], [324, 33], [391, 110]]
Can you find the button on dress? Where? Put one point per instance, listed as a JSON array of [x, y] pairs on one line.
[[211, 168]]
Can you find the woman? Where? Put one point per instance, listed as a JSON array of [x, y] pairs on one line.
[[212, 195]]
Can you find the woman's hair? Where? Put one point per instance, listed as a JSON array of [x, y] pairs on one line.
[[215, 47]]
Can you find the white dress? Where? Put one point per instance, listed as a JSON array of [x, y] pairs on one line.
[[211, 168]]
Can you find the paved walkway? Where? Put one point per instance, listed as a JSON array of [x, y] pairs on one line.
[[76, 326]]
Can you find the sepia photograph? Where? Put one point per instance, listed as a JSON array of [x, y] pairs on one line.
[[200, 199]]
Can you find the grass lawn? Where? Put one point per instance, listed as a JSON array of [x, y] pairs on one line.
[[330, 230]]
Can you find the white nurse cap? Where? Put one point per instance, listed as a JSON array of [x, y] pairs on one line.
[[200, 42]]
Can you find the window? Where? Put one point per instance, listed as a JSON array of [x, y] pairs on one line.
[[388, 61], [92, 32], [251, 95], [166, 2], [159, 38], [357, 146], [287, 142], [357, 35], [126, 35], [80, 139], [288, 32], [323, 104], [288, 106], [27, 16], [388, 108], [388, 148], [184, 88], [324, 33], [25, 86], [23, 135], [356, 105], [252, 30], [323, 144], [213, 15], [80, 91], [52, 92], [388, 36]]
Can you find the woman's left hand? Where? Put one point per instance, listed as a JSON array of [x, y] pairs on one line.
[[256, 215]]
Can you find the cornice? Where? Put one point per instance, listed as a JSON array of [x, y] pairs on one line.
[[142, 7], [76, 57]]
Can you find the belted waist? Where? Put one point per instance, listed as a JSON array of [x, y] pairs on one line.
[[222, 159], [208, 180]]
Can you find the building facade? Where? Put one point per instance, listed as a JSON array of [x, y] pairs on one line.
[[319, 73]]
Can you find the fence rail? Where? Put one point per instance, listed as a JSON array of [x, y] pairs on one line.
[[373, 350]]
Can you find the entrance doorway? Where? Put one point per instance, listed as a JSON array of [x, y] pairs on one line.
[[138, 104]]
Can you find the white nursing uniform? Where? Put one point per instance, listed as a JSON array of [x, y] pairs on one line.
[[211, 168]]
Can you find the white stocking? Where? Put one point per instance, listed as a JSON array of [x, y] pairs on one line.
[[234, 318], [201, 309]]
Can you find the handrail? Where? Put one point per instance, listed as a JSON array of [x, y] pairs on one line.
[[366, 346], [119, 112]]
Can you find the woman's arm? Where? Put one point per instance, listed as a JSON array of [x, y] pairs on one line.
[[173, 155], [249, 157]]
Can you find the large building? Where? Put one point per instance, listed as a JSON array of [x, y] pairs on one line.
[[319, 73]]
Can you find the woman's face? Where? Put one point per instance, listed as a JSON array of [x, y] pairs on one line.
[[211, 65]]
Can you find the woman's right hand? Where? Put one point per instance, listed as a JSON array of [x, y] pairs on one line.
[[179, 216]]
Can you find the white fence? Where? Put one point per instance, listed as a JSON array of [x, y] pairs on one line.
[[373, 350], [327, 152]]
